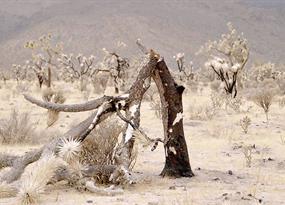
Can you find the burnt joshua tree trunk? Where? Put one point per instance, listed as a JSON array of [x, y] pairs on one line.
[[49, 78], [177, 162]]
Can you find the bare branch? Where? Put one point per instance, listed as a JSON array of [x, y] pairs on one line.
[[90, 105]]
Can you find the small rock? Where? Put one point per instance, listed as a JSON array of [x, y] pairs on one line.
[[89, 201], [216, 179], [120, 199], [152, 203], [172, 187], [230, 172]]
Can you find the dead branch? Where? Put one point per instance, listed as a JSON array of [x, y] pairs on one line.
[[90, 105]]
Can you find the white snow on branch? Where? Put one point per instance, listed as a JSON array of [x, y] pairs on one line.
[[99, 112], [133, 109], [129, 132], [172, 149], [125, 95], [179, 116]]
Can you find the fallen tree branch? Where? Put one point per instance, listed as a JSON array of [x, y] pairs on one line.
[[90, 105]]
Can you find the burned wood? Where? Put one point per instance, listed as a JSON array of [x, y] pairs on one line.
[[177, 162]]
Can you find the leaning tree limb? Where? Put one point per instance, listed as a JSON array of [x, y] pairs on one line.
[[90, 105], [132, 101]]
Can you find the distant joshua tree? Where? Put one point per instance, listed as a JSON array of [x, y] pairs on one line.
[[77, 68], [44, 54], [185, 71]]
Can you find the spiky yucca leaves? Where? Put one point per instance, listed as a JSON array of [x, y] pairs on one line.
[[35, 178], [7, 190], [69, 149]]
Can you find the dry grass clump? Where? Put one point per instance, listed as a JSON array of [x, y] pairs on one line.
[[234, 103], [50, 95], [18, 128], [281, 102], [247, 151], [201, 112], [245, 123], [155, 105], [99, 82], [98, 147], [217, 100]]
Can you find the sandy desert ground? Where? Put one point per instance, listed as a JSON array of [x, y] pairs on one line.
[[215, 148]]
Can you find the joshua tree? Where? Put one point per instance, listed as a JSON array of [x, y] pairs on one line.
[[186, 72], [228, 56], [177, 161], [44, 54], [79, 67], [116, 66]]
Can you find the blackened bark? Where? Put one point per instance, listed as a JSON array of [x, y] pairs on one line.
[[177, 162], [49, 78]]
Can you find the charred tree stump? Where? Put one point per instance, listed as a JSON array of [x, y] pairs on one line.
[[177, 162]]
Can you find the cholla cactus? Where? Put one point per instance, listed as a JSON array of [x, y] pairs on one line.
[[77, 67], [228, 57]]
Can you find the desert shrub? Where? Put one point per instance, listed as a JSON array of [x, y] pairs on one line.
[[247, 151], [264, 98], [86, 94], [281, 102], [99, 82], [100, 146], [151, 94], [22, 87], [217, 100], [155, 105], [201, 112], [17, 129], [50, 95], [282, 140], [245, 123], [215, 86], [234, 103]]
